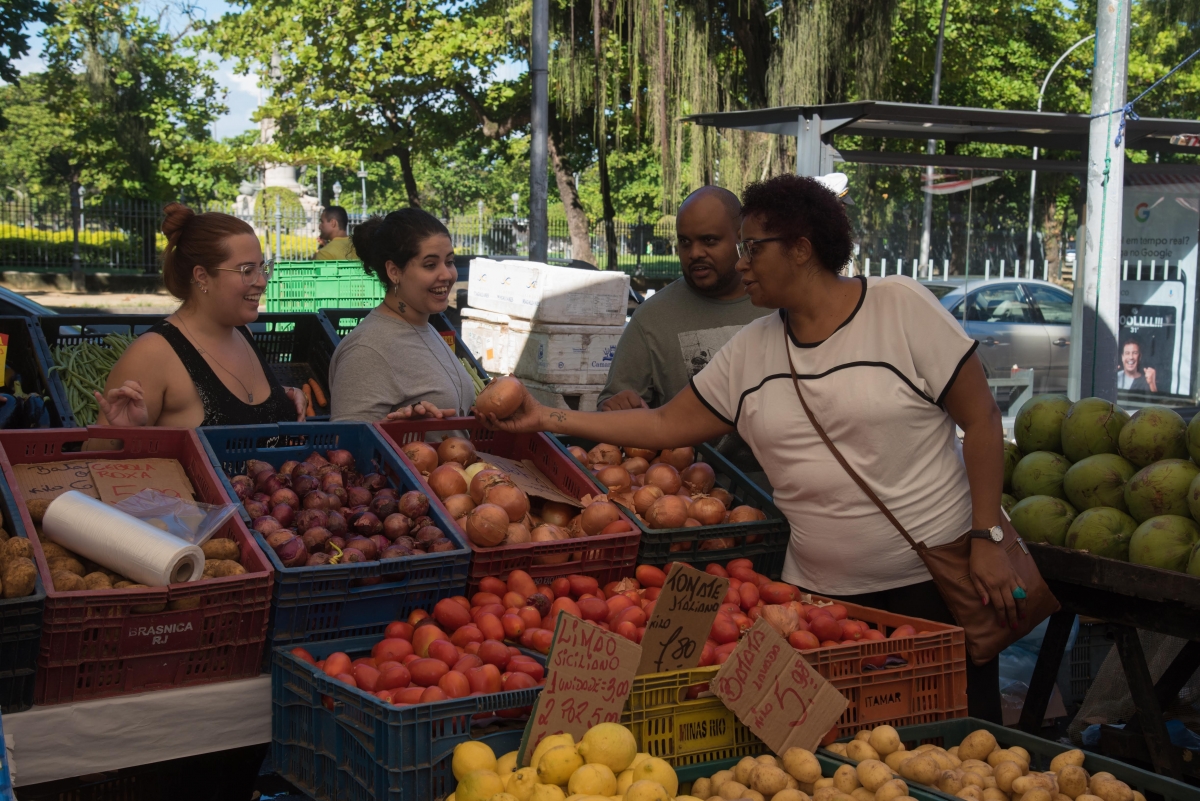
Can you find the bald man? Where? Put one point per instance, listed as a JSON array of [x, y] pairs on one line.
[[675, 332]]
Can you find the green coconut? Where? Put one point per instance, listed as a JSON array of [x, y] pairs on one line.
[[1161, 489], [1092, 426], [1102, 531], [1193, 439], [1153, 433], [1041, 518], [1098, 480], [1193, 567], [1166, 542], [1007, 502], [1012, 455], [1038, 426], [1040, 473]]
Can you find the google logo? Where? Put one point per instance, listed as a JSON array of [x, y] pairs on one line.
[[1141, 212]]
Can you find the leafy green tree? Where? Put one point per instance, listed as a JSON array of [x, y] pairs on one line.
[[15, 15], [33, 141]]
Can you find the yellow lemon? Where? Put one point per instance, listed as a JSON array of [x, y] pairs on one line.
[[553, 741], [479, 785], [503, 797], [472, 756], [521, 783], [639, 758], [624, 780], [646, 790], [548, 792], [557, 765], [657, 770], [506, 764], [593, 780], [609, 744]]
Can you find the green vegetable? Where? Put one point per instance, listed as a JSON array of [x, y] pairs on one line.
[[475, 379], [84, 368]]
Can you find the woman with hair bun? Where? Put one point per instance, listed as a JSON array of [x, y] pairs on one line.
[[200, 365], [394, 365]]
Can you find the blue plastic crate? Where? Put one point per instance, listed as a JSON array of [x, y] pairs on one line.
[[6, 788], [366, 749], [20, 631], [320, 603]]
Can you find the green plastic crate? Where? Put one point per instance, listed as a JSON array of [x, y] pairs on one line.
[[307, 286]]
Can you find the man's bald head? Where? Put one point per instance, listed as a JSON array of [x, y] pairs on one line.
[[707, 230]]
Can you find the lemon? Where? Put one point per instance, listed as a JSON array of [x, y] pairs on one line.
[[450, 797], [609, 744], [593, 780], [503, 797], [547, 792], [553, 741], [472, 756], [521, 783], [506, 764], [639, 758], [646, 790], [479, 785], [557, 765], [657, 770], [623, 781]]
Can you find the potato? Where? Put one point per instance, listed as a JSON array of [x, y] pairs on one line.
[[221, 548], [891, 790], [210, 568], [743, 769], [4, 535], [837, 748], [125, 585], [768, 779], [184, 603], [701, 787], [227, 567], [17, 548], [970, 793], [993, 794], [790, 795], [826, 781], [66, 563], [1061, 797], [1027, 783], [920, 749], [859, 750], [1088, 797], [1006, 774], [767, 759], [953, 751], [972, 779], [1021, 752], [97, 581], [66, 581], [1101, 776], [52, 549], [752, 795], [897, 758], [976, 766], [977, 745], [732, 790], [1038, 794], [1072, 780], [944, 760], [792, 784], [884, 740], [19, 577], [921, 769], [802, 765], [862, 794], [1138, 796], [844, 797], [826, 793], [989, 782], [1112, 790], [1006, 755], [845, 779], [950, 782], [864, 735], [1073, 757], [873, 774], [37, 509]]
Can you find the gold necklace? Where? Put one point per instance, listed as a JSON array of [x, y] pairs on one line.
[[203, 352]]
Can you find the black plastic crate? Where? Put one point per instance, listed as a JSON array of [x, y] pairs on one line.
[[29, 356], [20, 631], [1093, 643]]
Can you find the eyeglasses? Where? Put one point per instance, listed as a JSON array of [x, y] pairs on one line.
[[747, 247], [251, 272]]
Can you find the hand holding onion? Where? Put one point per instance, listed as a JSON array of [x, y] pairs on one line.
[[506, 405]]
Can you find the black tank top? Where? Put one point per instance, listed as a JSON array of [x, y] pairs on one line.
[[222, 407]]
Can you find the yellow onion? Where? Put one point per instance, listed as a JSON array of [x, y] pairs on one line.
[[457, 449], [615, 478], [722, 495], [669, 511], [635, 466], [558, 514], [679, 458], [511, 498], [422, 455], [665, 477], [644, 497], [698, 478], [640, 453], [502, 397], [579, 453], [604, 454], [517, 534], [746, 514], [487, 525], [549, 533], [708, 511], [446, 481], [484, 479], [598, 515], [459, 505], [474, 470], [718, 545]]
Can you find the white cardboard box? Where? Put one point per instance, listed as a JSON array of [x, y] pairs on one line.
[[582, 397], [548, 294], [486, 335], [544, 352]]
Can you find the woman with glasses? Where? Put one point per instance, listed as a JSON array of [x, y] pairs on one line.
[[200, 365], [888, 374]]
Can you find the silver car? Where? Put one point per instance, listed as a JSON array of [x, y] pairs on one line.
[[1017, 322]]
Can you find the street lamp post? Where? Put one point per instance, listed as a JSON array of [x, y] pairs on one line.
[[362, 173], [1033, 173]]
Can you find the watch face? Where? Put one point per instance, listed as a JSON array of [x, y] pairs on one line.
[[997, 534]]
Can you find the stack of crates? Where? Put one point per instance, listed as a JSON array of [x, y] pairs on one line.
[[307, 286]]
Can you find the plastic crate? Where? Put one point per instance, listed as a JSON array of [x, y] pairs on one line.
[[88, 647], [952, 732], [607, 557], [689, 773], [321, 603], [366, 749], [29, 356], [6, 787], [340, 322], [930, 686], [306, 286], [1092, 645], [767, 554], [296, 346], [20, 631]]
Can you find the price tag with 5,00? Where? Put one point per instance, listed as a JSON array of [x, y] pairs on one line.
[[683, 615]]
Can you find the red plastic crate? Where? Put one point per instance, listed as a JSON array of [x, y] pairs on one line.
[[607, 557], [93, 645]]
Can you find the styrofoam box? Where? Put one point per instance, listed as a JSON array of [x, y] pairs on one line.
[[486, 335], [544, 293], [581, 397], [562, 354]]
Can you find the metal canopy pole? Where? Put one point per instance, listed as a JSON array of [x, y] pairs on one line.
[[539, 119], [931, 146], [1094, 318]]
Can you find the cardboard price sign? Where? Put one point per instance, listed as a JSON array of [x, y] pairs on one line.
[[48, 480], [529, 479], [683, 616], [589, 675], [118, 479], [771, 689]]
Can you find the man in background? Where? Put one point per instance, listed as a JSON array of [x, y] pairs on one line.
[[334, 239]]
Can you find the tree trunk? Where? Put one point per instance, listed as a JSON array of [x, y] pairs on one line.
[[610, 233], [410, 180], [752, 32], [1051, 235], [577, 223]]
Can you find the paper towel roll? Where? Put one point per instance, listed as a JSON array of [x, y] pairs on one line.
[[121, 543]]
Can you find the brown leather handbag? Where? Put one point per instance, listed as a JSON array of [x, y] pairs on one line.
[[949, 565]]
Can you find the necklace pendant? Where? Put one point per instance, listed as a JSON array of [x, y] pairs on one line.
[[250, 397]]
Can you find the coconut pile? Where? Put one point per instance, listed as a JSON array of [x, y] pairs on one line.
[[1091, 477]]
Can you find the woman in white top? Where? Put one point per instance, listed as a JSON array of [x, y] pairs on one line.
[[888, 373]]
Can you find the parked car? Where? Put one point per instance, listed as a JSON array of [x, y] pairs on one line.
[[16, 304], [1022, 322]]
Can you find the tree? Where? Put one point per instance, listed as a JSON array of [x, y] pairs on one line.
[[15, 15], [33, 141]]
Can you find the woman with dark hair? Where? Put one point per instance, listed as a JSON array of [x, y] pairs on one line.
[[888, 374], [200, 365], [394, 365]]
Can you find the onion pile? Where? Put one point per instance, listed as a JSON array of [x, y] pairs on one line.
[[322, 511]]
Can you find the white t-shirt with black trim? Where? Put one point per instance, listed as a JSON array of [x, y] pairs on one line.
[[877, 386]]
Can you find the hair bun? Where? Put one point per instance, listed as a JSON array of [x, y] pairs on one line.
[[177, 216]]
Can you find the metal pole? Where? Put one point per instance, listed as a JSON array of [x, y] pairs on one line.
[[479, 208], [931, 146], [1094, 321], [539, 124], [278, 226], [362, 173], [1033, 173], [76, 224], [319, 195]]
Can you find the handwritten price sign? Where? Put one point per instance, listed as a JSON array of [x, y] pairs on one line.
[[682, 618], [771, 689], [589, 675]]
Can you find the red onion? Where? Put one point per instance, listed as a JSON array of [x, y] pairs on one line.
[[303, 469], [352, 555], [317, 559], [283, 513], [335, 542], [302, 485], [278, 538], [442, 545], [284, 496], [396, 526], [287, 467], [364, 544], [270, 483], [382, 543], [314, 500], [243, 487], [428, 534], [422, 522], [330, 480], [285, 481], [336, 523], [383, 507], [407, 542], [358, 496], [292, 553], [261, 497], [353, 478], [341, 458], [387, 492], [368, 524], [396, 552], [256, 466], [255, 509], [310, 518], [413, 504], [374, 481], [316, 459], [340, 494], [316, 538], [266, 525]]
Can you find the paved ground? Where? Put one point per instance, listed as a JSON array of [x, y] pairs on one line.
[[110, 302]]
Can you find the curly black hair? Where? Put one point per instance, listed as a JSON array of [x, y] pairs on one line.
[[396, 238], [795, 207]]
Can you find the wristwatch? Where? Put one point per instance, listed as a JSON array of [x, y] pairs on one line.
[[995, 534]]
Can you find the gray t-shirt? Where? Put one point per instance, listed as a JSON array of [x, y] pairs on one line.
[[672, 337], [386, 364]]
